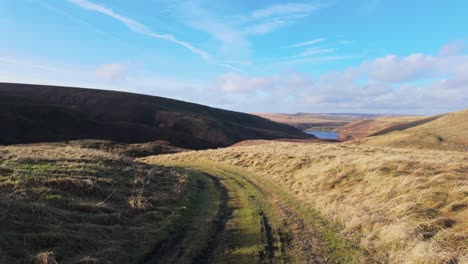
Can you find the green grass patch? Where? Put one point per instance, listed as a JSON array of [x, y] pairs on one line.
[[251, 194]]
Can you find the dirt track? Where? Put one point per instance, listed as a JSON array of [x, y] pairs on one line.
[[248, 224]]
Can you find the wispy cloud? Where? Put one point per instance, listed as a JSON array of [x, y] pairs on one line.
[[111, 72], [284, 9], [317, 59], [29, 65], [271, 18], [345, 42], [78, 20], [265, 27], [233, 42], [315, 51], [139, 27], [307, 43], [233, 31]]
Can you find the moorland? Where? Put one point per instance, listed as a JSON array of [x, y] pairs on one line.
[[92, 176]]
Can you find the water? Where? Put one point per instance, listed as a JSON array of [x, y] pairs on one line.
[[324, 134]]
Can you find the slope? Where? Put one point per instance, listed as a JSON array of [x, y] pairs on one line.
[[36, 113], [447, 132], [305, 121], [75, 205], [367, 127], [397, 205]]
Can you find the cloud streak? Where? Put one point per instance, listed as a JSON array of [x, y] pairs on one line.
[[138, 27], [30, 65], [315, 51], [307, 43], [284, 9]]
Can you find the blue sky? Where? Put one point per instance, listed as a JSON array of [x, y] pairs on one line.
[[372, 56]]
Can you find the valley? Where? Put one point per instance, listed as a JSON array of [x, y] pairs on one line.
[[233, 132], [395, 191]]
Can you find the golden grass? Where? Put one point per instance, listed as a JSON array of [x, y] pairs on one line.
[[400, 205], [448, 132], [364, 128]]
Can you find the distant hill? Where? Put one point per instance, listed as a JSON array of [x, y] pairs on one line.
[[445, 132], [317, 121], [373, 126], [37, 113]]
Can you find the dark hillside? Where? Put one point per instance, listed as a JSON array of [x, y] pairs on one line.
[[37, 113]]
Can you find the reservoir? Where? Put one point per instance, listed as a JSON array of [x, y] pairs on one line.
[[323, 134]]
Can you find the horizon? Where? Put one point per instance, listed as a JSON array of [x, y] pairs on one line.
[[378, 57]]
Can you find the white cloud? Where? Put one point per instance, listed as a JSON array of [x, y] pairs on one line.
[[234, 83], [307, 43], [265, 27], [392, 68], [232, 32], [271, 18], [138, 27], [111, 72], [233, 42], [415, 84], [28, 64], [452, 49], [284, 9], [315, 51]]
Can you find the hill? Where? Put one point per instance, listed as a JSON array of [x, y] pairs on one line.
[[445, 132], [396, 205], [317, 122], [38, 113], [368, 127]]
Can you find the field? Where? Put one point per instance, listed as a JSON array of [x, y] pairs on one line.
[[390, 205], [368, 127], [446, 132], [257, 201]]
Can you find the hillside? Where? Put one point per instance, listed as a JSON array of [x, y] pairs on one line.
[[319, 122], [396, 205], [446, 132], [37, 113], [304, 121], [129, 150], [367, 127], [75, 205]]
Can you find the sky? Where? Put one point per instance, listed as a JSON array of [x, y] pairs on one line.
[[331, 56]]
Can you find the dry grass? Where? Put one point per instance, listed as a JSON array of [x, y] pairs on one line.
[[364, 128], [124, 149], [69, 204], [445, 133], [308, 120], [400, 205]]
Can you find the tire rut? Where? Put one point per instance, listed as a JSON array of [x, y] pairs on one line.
[[172, 249], [268, 240], [299, 235], [225, 212]]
